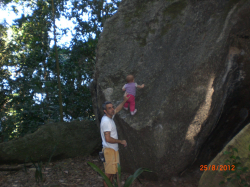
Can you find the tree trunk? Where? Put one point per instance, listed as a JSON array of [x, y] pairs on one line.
[[57, 65]]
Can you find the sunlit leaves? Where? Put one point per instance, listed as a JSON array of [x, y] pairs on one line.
[[30, 68], [26, 52]]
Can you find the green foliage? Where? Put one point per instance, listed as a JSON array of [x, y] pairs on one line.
[[94, 167], [38, 172], [27, 53], [128, 182], [131, 178], [236, 171], [28, 65]]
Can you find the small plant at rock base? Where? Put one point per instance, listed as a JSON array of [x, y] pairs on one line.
[[238, 173], [129, 180], [38, 173]]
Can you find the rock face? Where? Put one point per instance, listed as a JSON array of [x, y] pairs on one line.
[[193, 57], [71, 140], [213, 177]]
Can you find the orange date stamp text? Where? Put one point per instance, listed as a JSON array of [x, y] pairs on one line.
[[217, 167]]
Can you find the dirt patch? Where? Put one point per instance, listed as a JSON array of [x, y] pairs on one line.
[[76, 173]]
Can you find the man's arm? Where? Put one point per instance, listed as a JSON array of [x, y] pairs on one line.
[[119, 107], [112, 140]]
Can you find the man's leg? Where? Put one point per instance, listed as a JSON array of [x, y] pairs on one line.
[[110, 176], [109, 166], [118, 180]]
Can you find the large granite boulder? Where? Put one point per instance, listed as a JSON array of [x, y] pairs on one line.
[[214, 176], [193, 57], [60, 140]]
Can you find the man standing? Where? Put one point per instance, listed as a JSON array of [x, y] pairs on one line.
[[110, 139]]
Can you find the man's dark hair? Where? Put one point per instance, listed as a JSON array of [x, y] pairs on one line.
[[104, 105]]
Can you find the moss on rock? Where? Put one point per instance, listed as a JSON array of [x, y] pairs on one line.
[[175, 9], [165, 29], [72, 139], [140, 7]]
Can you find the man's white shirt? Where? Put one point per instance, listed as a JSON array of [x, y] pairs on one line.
[[108, 124]]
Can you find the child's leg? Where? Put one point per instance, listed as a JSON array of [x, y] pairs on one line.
[[126, 105], [132, 103]]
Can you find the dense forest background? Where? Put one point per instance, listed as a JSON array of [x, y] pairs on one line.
[[42, 82]]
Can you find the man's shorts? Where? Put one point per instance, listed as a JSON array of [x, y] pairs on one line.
[[111, 160]]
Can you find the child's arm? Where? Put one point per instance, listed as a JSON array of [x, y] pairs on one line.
[[123, 88], [140, 86]]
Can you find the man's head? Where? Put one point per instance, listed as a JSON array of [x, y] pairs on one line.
[[130, 78], [108, 109]]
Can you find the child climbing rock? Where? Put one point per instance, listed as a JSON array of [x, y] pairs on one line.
[[130, 88]]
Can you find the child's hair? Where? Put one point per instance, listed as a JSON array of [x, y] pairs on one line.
[[129, 78]]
